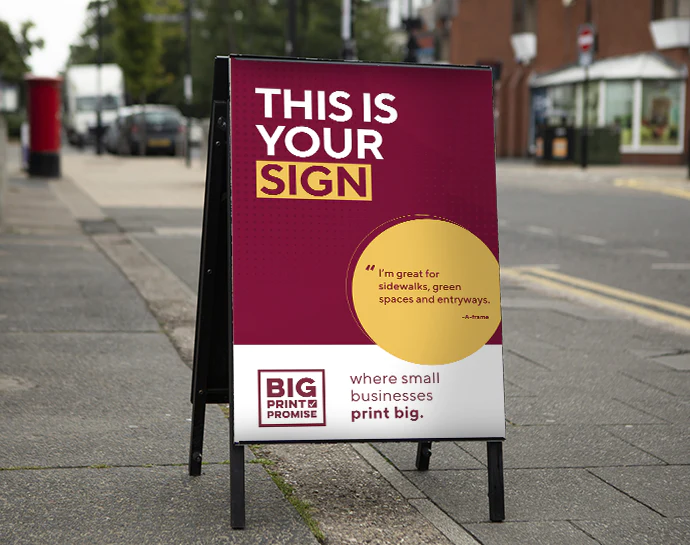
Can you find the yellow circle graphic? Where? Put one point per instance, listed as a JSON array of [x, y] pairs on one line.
[[427, 291]]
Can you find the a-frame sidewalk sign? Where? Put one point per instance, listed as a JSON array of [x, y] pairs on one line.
[[349, 279]]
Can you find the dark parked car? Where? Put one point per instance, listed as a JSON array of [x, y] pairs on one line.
[[163, 130]]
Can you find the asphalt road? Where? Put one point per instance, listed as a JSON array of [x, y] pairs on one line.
[[624, 238], [615, 236]]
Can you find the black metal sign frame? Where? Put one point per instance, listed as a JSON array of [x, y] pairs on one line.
[[212, 375]]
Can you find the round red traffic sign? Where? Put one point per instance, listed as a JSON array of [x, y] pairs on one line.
[[585, 38]]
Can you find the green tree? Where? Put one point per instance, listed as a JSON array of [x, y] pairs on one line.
[[14, 56], [173, 40], [26, 44], [85, 51], [138, 48], [16, 51], [259, 27], [12, 65]]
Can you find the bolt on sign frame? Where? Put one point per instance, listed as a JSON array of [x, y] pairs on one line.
[[349, 280]]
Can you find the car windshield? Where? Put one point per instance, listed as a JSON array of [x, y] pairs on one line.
[[90, 103], [158, 117]]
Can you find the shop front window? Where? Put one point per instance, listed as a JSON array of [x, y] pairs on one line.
[[561, 105], [668, 9], [661, 107], [619, 109]]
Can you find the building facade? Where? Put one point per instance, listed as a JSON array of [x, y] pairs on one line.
[[637, 82]]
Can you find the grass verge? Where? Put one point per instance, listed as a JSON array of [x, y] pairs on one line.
[[302, 507]]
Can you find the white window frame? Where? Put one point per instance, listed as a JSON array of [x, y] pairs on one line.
[[636, 147]]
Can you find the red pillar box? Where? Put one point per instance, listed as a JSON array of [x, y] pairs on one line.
[[44, 123]]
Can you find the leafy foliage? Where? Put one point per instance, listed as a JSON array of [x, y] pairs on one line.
[[153, 55], [259, 27], [86, 50], [15, 51], [138, 47]]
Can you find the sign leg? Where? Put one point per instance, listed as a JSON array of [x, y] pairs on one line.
[[196, 443], [423, 455], [237, 515], [494, 457]]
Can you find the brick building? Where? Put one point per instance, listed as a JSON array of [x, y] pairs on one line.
[[637, 81]]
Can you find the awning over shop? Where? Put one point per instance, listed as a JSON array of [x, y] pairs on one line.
[[640, 66]]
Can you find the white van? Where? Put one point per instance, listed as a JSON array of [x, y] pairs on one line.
[[83, 86]]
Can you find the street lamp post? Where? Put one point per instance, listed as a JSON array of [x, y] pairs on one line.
[[186, 19], [188, 83], [347, 30], [290, 43], [411, 24], [99, 98]]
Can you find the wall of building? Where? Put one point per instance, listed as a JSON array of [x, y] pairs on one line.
[[482, 30]]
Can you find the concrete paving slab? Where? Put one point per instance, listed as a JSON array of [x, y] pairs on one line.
[[673, 410], [114, 399], [668, 442], [179, 253], [147, 219], [563, 446], [632, 532], [529, 533], [664, 489], [679, 362], [66, 288], [596, 379], [513, 390], [158, 505], [673, 382], [445, 455], [137, 182], [568, 407], [30, 205], [516, 368], [531, 495], [563, 329]]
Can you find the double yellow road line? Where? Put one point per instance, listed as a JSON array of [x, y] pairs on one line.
[[644, 308], [670, 190]]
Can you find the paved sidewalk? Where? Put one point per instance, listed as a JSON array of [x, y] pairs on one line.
[[598, 445], [94, 404]]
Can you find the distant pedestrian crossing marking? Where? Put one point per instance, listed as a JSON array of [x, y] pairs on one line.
[[645, 308], [541, 230], [587, 239], [671, 266], [178, 231]]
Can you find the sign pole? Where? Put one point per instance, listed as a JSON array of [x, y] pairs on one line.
[[99, 98], [423, 455], [210, 349], [291, 42], [494, 459], [188, 83], [585, 128], [586, 43]]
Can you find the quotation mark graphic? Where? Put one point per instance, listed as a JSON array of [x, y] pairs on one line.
[[370, 267]]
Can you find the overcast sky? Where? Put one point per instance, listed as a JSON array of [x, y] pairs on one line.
[[58, 22]]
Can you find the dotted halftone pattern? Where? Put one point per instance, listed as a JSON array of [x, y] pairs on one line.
[[291, 258]]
